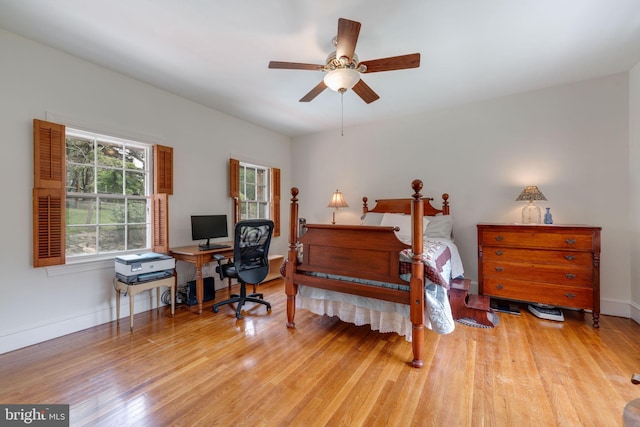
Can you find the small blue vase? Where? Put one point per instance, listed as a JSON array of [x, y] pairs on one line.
[[548, 219]]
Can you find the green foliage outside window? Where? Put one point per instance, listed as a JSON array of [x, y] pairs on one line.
[[106, 195], [254, 191]]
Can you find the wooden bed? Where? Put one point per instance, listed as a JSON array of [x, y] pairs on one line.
[[364, 252]]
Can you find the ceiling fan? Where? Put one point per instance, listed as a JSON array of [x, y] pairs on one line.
[[343, 67]]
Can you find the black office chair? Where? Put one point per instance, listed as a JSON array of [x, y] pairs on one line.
[[250, 264]]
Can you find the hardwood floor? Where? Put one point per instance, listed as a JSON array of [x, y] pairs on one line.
[[213, 370]]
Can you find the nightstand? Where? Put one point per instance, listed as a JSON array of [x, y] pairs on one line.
[[548, 264]]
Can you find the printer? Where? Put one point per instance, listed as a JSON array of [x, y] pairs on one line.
[[145, 267]]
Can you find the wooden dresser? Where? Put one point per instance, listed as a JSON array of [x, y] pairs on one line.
[[548, 264]]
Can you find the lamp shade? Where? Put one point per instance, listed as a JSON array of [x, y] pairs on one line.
[[531, 213], [341, 79], [337, 201], [530, 193]]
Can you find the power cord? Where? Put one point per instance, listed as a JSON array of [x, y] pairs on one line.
[[181, 296]]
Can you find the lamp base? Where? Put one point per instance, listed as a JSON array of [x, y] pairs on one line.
[[531, 214]]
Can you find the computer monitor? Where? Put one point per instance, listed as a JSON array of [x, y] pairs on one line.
[[208, 227]]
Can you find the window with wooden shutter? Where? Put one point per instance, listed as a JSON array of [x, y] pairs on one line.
[[92, 195], [253, 188]]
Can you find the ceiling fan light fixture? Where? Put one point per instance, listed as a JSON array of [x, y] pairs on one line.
[[341, 78]]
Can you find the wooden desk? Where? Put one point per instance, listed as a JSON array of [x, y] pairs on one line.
[[195, 256]]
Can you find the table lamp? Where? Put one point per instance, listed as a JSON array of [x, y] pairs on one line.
[[337, 201], [531, 213]]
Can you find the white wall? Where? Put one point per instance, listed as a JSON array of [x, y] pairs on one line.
[[39, 82], [571, 141], [634, 180]]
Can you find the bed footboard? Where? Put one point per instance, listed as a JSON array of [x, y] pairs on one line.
[[363, 252]]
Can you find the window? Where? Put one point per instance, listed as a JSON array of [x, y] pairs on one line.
[[107, 194], [93, 195], [254, 191]]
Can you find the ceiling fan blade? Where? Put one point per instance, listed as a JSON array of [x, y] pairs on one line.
[[295, 66], [392, 63], [314, 92], [347, 38], [365, 92]]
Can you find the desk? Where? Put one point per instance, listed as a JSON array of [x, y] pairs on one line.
[[195, 256], [132, 290]]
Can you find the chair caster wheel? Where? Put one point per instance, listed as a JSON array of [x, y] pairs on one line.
[[215, 309], [238, 316]]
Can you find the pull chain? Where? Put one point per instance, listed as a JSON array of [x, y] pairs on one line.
[[342, 113], [342, 91]]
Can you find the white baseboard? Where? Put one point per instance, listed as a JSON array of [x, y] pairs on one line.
[[635, 312], [39, 332]]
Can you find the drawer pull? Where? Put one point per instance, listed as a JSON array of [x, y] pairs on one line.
[[570, 276], [498, 269], [499, 253], [571, 241], [569, 257], [499, 287], [570, 295], [499, 238]]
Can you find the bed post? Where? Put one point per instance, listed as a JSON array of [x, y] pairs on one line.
[[292, 260], [416, 293], [445, 204]]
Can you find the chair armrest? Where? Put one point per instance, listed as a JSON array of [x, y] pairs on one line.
[[218, 257]]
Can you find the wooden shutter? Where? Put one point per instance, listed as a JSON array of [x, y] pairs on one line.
[[275, 200], [234, 188], [162, 188], [49, 155], [49, 168], [48, 227], [163, 169], [160, 223]]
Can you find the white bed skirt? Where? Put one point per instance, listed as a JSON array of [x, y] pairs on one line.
[[382, 316]]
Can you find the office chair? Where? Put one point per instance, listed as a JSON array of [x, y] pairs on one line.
[[250, 263]]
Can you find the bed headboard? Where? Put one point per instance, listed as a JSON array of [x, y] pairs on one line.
[[403, 206]]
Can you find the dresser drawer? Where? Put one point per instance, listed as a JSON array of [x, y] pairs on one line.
[[542, 239], [559, 257], [558, 274], [565, 296]]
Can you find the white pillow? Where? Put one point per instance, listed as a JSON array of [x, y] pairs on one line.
[[372, 218], [440, 227], [403, 222]]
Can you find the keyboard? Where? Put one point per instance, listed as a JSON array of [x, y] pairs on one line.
[[213, 246]]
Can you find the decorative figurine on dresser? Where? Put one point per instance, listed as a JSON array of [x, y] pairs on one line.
[[546, 264]]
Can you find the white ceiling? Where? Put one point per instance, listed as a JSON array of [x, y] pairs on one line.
[[216, 52]]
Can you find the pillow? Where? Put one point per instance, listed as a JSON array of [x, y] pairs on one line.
[[372, 218], [403, 222], [440, 226]]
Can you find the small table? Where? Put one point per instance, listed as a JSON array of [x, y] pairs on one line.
[[132, 290], [199, 258]]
